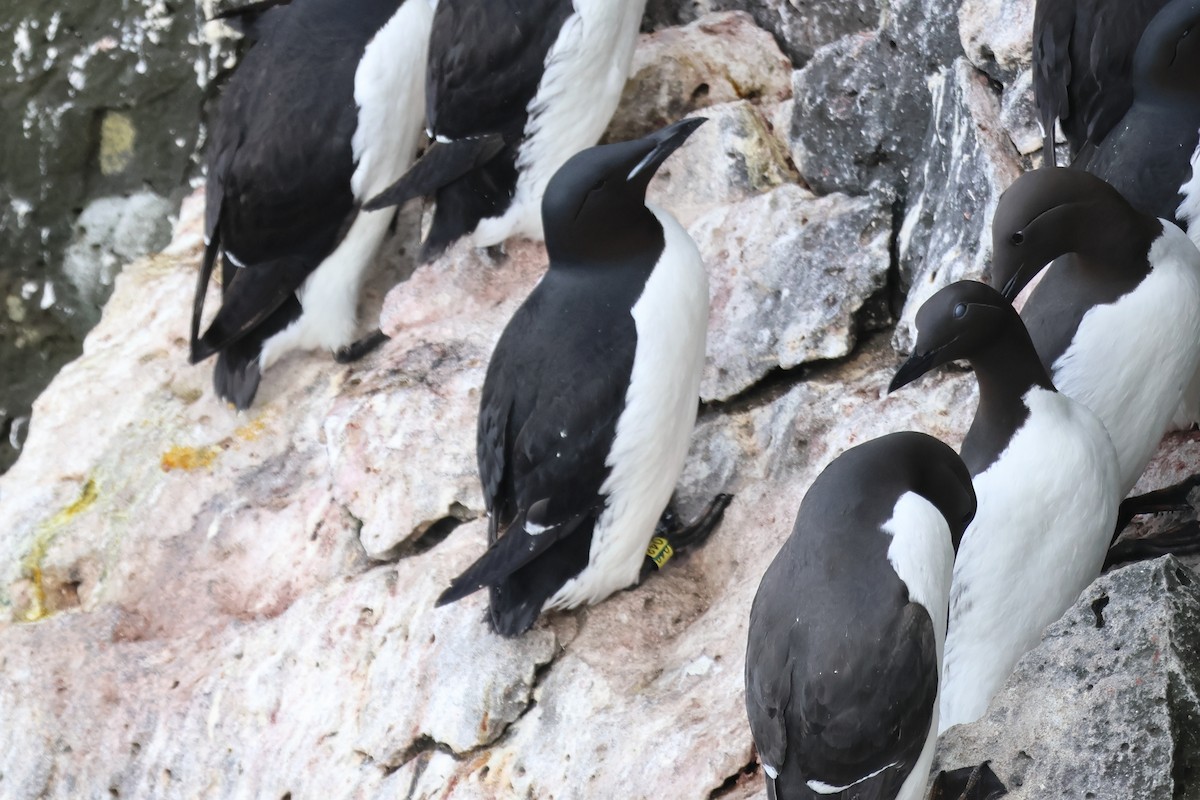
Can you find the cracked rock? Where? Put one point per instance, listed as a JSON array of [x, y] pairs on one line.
[[997, 35], [802, 27], [862, 103], [720, 58], [946, 234], [1106, 706], [733, 156], [781, 301]]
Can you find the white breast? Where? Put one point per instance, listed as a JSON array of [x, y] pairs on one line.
[[389, 88], [1047, 508], [579, 91], [1130, 361], [651, 441]]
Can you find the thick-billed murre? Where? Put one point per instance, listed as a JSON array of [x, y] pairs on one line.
[[844, 652], [591, 392], [323, 112], [1047, 483], [514, 89], [1116, 322]]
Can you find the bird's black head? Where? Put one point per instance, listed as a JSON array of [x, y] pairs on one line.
[[1167, 59], [1048, 212], [897, 463], [594, 208], [943, 479], [960, 321]]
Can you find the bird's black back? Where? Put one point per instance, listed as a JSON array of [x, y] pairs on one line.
[[486, 61], [1082, 61]]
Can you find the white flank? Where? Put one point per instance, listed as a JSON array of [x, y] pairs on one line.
[[1046, 512], [1188, 215], [651, 441], [1189, 209], [585, 72], [922, 555], [389, 88], [825, 788], [772, 773], [1131, 360]]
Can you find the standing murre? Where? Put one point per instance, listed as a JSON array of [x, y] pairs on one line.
[[1150, 155], [848, 625], [1116, 322], [1082, 56], [323, 111], [591, 392], [1047, 482], [514, 89]]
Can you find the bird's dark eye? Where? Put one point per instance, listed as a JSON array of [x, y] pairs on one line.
[[1017, 237], [960, 310]]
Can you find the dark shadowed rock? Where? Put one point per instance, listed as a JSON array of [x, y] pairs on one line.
[[968, 162], [802, 26], [97, 99], [1106, 706], [862, 103]]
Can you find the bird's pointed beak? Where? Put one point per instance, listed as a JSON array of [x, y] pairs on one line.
[[1014, 286], [916, 366], [665, 142]]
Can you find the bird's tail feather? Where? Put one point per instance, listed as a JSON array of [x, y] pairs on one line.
[[211, 250], [441, 164]]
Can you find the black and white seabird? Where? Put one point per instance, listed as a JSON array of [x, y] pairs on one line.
[[1151, 156], [514, 89], [1082, 56], [848, 625], [323, 111], [1117, 322], [592, 391], [1048, 486]]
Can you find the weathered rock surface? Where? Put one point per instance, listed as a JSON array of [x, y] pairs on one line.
[[720, 58], [996, 36], [862, 103], [732, 157], [1108, 706], [195, 602], [969, 161], [785, 300], [97, 99], [205, 583], [110, 233]]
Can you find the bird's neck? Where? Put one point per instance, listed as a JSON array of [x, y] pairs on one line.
[[1006, 371]]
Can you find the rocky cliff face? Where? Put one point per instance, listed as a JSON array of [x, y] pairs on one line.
[[101, 106], [199, 603]]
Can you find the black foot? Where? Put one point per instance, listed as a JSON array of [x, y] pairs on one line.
[[356, 350], [1182, 541], [968, 783], [672, 538], [1172, 498]]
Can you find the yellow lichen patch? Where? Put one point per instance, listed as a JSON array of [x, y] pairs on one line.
[[31, 566], [189, 458], [252, 430], [117, 135]]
